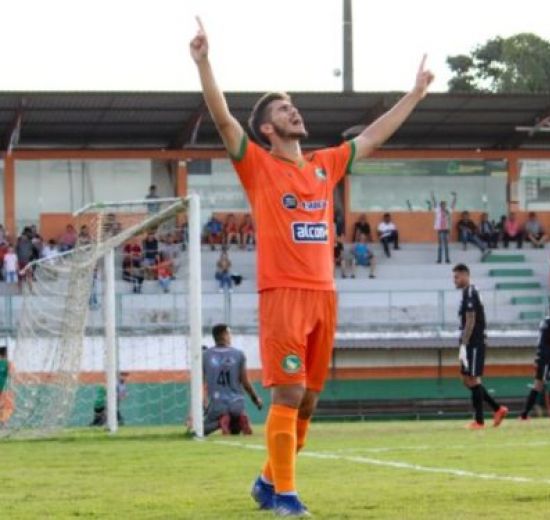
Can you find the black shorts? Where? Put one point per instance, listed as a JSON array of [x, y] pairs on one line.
[[476, 361], [542, 363]]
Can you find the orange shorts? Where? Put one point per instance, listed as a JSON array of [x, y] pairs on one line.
[[297, 328]]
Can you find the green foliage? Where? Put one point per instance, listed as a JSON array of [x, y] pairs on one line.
[[155, 473], [518, 64]]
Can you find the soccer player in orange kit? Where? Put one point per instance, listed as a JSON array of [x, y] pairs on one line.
[[291, 196]]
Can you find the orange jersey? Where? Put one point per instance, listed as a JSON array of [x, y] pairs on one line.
[[293, 210]]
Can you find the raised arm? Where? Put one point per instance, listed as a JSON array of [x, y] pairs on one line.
[[383, 128], [229, 128]]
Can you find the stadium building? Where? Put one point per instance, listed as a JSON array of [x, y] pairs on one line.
[[63, 150]]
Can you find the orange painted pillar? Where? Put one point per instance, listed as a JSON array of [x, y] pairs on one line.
[[9, 196], [181, 179]]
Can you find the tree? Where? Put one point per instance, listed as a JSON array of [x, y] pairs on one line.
[[520, 63]]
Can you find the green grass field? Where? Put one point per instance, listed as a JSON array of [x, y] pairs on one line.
[[349, 470]]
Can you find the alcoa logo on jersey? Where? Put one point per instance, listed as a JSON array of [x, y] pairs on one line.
[[312, 232]]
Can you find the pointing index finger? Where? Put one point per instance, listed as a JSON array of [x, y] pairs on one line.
[[423, 62], [199, 22]]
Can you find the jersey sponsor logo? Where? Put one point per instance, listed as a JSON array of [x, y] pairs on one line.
[[291, 364], [314, 205], [321, 174], [289, 201], [310, 232]]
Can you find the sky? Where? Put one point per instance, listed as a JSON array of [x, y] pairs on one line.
[[292, 45]]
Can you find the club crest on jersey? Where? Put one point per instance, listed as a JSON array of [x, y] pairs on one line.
[[291, 364], [310, 232], [290, 201], [321, 174]]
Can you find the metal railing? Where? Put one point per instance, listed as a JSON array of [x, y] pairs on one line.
[[365, 310]]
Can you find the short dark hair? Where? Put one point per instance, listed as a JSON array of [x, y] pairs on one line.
[[3, 351], [461, 268], [258, 115], [218, 331]]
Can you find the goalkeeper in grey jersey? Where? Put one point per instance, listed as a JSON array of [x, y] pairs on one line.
[[225, 376]]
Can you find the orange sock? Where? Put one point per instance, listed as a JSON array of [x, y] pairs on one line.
[[281, 447], [302, 426]]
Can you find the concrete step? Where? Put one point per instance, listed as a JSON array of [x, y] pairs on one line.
[[531, 315], [511, 272], [504, 259], [513, 286], [527, 300]]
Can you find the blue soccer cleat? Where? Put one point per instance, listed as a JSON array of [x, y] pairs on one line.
[[263, 494], [289, 505]]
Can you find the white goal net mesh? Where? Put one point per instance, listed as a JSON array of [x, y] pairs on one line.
[[58, 361]]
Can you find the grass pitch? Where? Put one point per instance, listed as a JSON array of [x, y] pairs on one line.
[[397, 470]]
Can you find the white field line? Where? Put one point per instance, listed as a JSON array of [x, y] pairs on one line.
[[384, 449], [397, 465]]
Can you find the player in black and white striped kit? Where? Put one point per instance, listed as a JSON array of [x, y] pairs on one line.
[[472, 348], [542, 370]]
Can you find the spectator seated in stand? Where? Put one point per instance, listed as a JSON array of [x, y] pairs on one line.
[[50, 249], [468, 233], [150, 247], [388, 234], [363, 255], [248, 233], [488, 232], [132, 267], [4, 247], [512, 232], [171, 250], [343, 258], [84, 237], [534, 232], [3, 235], [231, 233], [68, 239], [165, 271], [111, 226], [223, 272], [213, 232], [362, 227]]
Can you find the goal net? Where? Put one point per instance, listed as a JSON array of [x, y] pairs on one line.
[[109, 331]]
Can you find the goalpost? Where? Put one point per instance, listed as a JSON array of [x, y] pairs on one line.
[[53, 353]]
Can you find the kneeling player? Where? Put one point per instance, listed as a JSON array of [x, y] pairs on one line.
[[542, 362], [225, 375], [472, 348]]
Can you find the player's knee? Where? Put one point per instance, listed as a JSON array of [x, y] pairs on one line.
[[288, 395], [308, 405]]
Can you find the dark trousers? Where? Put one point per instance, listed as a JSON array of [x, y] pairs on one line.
[[136, 281], [518, 239], [443, 245], [392, 237], [467, 236], [491, 239]]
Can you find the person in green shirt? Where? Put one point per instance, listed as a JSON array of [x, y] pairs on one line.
[[100, 407]]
